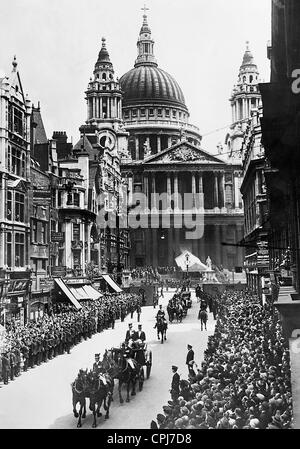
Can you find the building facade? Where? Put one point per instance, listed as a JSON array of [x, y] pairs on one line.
[[167, 159], [280, 136], [15, 112]]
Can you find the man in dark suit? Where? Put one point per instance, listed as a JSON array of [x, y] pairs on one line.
[[140, 334], [130, 334], [190, 360], [97, 366], [175, 384]]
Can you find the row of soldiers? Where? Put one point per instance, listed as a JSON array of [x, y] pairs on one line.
[[50, 336]]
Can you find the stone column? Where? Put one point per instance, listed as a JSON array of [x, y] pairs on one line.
[[130, 190], [222, 189], [146, 191], [154, 247], [158, 144], [216, 201], [153, 192], [236, 192], [169, 191], [101, 108], [176, 191], [137, 150], [201, 191], [193, 189]]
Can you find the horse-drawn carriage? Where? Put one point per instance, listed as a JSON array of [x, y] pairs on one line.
[[143, 356], [186, 297]]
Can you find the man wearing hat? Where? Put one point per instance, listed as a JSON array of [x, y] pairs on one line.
[[190, 360], [130, 334], [97, 364], [140, 334], [175, 384]]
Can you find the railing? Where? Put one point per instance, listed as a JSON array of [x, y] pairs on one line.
[[173, 123]]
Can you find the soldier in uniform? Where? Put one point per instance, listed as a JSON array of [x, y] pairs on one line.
[[5, 367], [25, 354], [18, 359], [12, 359]]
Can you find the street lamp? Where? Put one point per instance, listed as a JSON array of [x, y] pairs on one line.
[[187, 259]]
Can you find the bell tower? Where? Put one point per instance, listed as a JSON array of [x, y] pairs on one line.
[[104, 125], [245, 97]]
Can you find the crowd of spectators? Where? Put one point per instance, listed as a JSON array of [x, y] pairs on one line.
[[55, 333], [145, 274], [244, 380]]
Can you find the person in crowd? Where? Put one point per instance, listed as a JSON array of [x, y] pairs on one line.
[[244, 381], [175, 384], [130, 333], [56, 333], [190, 360], [140, 335]]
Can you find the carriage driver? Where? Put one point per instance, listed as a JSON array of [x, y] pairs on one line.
[[98, 368]]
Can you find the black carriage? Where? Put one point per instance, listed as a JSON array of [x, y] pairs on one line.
[[143, 355], [186, 298]]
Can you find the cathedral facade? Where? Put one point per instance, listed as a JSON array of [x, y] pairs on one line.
[[178, 179]]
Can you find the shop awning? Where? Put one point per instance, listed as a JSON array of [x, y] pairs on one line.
[[79, 293], [92, 292], [65, 289], [112, 283]]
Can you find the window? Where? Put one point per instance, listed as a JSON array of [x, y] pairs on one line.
[[180, 114], [59, 198], [19, 207], [167, 112], [159, 112], [126, 114], [44, 264], [19, 249], [151, 112], [134, 113], [17, 162], [143, 113], [9, 205], [76, 199], [76, 231], [33, 231], [104, 76], [251, 78], [18, 121], [43, 233], [8, 249], [174, 113]]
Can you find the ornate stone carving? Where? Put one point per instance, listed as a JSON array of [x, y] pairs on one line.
[[184, 154]]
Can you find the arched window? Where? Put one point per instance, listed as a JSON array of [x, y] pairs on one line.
[[251, 78], [104, 76], [244, 79]]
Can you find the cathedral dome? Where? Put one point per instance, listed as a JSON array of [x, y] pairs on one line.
[[148, 83]]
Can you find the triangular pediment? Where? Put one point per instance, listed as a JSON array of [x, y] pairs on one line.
[[183, 153]]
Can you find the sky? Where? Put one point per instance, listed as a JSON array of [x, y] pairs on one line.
[[199, 42]]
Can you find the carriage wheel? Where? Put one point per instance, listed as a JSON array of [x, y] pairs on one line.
[[141, 378]]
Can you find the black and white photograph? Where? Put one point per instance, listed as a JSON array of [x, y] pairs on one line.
[[150, 217]]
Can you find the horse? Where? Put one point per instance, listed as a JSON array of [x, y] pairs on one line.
[[126, 370], [78, 395], [162, 327], [98, 392], [202, 316]]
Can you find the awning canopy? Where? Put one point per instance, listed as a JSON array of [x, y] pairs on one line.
[[65, 289], [194, 263], [112, 283], [92, 292]]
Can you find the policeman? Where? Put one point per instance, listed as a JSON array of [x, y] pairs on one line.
[[175, 384]]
